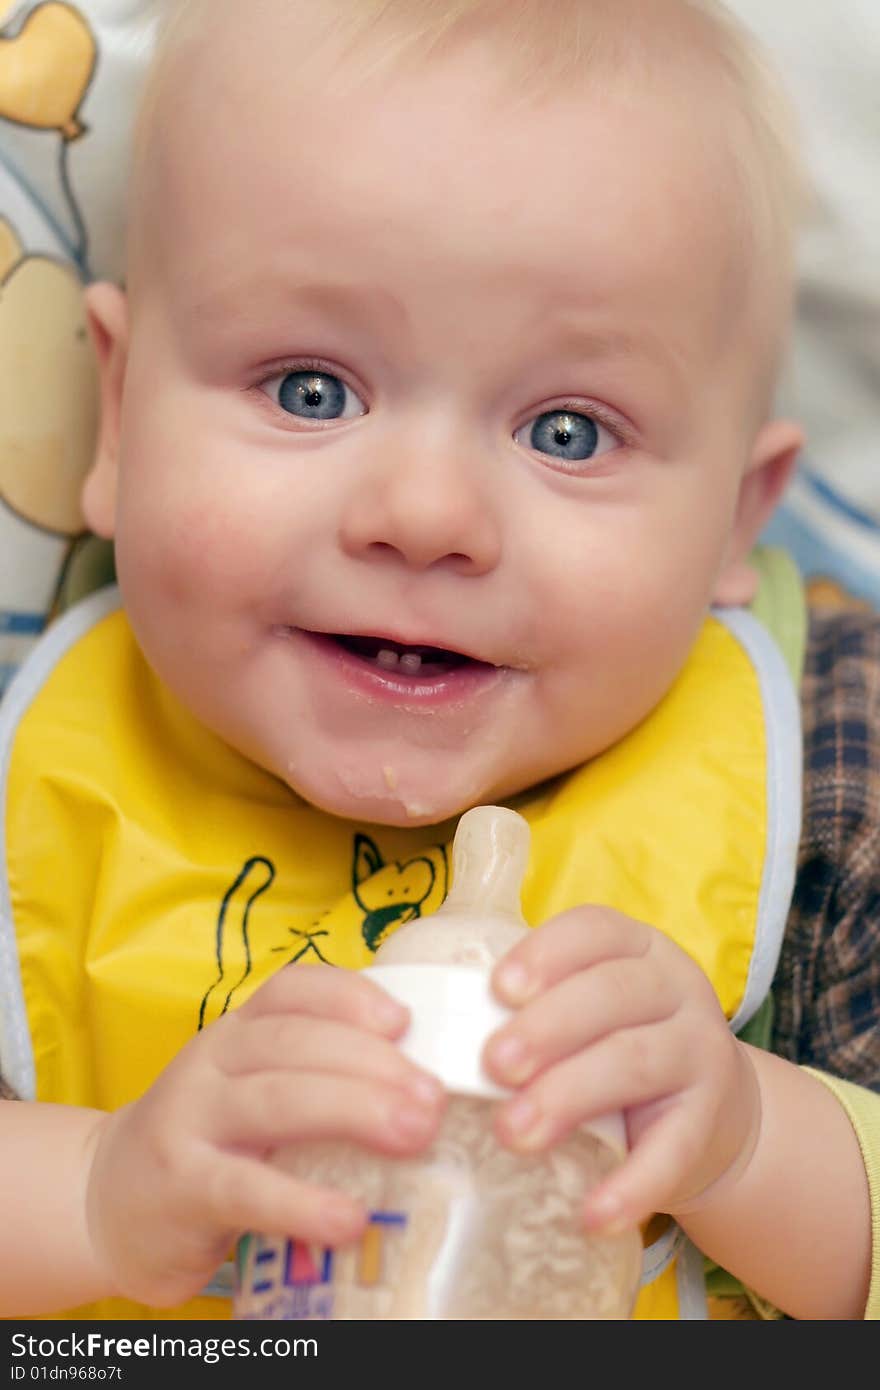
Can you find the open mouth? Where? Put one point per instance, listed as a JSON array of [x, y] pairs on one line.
[[399, 660]]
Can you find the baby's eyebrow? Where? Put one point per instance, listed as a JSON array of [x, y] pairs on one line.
[[349, 302], [576, 334], [577, 339]]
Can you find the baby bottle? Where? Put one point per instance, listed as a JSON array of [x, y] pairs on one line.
[[468, 1229]]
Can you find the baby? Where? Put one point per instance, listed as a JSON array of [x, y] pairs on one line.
[[436, 420]]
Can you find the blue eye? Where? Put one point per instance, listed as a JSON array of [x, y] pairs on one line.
[[564, 434], [311, 395]]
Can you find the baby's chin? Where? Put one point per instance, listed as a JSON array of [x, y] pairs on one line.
[[388, 792]]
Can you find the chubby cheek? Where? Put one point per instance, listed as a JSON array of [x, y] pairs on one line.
[[188, 532], [615, 620], [191, 586], [173, 552]]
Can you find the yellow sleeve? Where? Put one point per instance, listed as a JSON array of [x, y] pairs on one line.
[[863, 1108]]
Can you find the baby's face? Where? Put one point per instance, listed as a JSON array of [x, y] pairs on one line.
[[434, 430]]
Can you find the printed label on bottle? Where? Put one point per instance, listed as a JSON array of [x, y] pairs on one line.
[[296, 1281]]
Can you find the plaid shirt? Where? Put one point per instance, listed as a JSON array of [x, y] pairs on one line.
[[827, 986]]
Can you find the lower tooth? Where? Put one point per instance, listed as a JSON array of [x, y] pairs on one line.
[[411, 662], [387, 659]]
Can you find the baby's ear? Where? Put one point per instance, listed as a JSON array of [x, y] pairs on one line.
[[107, 312], [773, 460]]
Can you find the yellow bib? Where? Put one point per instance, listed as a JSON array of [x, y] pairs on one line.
[[154, 877]]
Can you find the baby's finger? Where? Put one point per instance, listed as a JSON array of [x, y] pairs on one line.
[[324, 991], [618, 993], [247, 1195], [575, 940], [648, 1181], [625, 1069], [294, 1043], [264, 1110]]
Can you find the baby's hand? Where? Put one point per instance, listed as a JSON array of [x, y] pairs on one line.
[[176, 1176], [612, 1015]]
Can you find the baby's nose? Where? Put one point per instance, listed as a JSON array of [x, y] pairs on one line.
[[425, 515]]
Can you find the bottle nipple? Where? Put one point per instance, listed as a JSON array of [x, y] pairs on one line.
[[481, 918]]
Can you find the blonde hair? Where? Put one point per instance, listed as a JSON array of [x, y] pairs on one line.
[[551, 45]]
